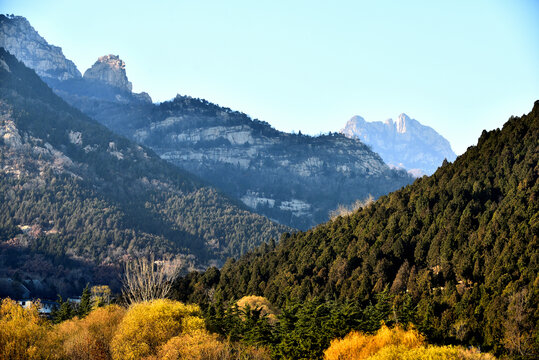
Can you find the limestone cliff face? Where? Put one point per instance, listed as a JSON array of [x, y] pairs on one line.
[[293, 178], [109, 69], [19, 38], [404, 143]]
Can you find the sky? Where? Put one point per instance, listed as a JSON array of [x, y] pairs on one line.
[[457, 66]]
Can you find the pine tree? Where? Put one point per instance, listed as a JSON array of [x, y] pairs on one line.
[[85, 305], [64, 312]]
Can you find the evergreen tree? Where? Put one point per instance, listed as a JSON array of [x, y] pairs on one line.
[[64, 312], [85, 305]]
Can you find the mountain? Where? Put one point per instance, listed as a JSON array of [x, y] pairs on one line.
[[274, 173], [404, 143], [461, 246], [48, 61], [73, 195]]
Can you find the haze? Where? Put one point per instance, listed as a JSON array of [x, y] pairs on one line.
[[459, 67]]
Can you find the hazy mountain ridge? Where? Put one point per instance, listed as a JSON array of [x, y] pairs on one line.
[[404, 143], [277, 174], [84, 192]]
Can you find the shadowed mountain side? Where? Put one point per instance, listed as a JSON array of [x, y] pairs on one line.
[[70, 186]]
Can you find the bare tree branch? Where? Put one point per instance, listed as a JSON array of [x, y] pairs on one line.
[[148, 279]]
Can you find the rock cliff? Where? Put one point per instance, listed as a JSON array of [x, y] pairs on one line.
[[109, 69], [19, 38], [404, 143]]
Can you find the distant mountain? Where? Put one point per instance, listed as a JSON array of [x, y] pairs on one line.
[[460, 247], [276, 174], [75, 196], [404, 143]]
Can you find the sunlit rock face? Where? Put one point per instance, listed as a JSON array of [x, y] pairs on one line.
[[404, 143], [19, 38], [109, 69]]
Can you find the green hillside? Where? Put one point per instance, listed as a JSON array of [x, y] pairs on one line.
[[71, 190], [461, 247]]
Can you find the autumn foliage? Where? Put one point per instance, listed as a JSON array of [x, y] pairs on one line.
[[395, 344], [90, 337], [253, 302], [170, 330], [22, 331]]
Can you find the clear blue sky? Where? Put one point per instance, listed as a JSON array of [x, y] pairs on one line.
[[458, 66]]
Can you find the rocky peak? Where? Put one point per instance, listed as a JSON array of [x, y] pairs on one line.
[[109, 69], [404, 143], [401, 122], [19, 38]]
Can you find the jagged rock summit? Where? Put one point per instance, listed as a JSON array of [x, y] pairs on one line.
[[19, 38], [109, 69], [404, 143]]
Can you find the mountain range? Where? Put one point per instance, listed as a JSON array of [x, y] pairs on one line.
[[404, 143], [76, 196], [92, 174], [274, 173]]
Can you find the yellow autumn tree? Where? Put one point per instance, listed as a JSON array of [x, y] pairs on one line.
[[147, 326], [89, 338], [196, 345], [357, 345], [22, 332], [202, 345], [258, 302], [395, 344], [400, 352]]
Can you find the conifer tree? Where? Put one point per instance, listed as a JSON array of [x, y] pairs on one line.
[[85, 305]]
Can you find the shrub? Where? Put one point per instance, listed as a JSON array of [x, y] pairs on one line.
[[89, 338], [357, 345], [396, 344], [201, 345], [258, 302], [197, 345], [22, 332], [431, 352], [147, 326]]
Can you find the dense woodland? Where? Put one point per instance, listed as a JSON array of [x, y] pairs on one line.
[[456, 253], [83, 194]]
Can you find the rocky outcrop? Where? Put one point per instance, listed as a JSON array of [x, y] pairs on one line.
[[19, 38], [109, 69], [404, 143]]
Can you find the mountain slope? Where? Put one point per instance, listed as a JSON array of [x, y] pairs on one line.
[[274, 173], [73, 187], [462, 243], [403, 143]]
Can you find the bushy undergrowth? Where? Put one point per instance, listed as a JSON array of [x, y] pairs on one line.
[[159, 329], [396, 344]]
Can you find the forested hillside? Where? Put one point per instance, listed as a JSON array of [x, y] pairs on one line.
[[71, 190], [457, 252]]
